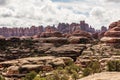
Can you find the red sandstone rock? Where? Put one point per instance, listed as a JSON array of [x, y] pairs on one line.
[[95, 35], [51, 34], [80, 36], [2, 37], [100, 35], [114, 32], [112, 36], [81, 33], [78, 40], [114, 24]]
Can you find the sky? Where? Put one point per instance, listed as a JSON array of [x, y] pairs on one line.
[[25, 13]]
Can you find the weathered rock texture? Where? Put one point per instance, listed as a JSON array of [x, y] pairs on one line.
[[19, 67], [112, 36], [80, 36], [103, 76]]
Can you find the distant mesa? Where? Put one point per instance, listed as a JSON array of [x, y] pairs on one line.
[[44, 31]]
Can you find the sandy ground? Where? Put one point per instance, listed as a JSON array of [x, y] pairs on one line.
[[103, 76]]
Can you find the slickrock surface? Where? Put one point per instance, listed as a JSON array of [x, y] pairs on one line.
[[103, 76]]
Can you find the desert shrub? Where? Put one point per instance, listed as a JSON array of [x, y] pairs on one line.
[[113, 65], [38, 77], [69, 62], [65, 77], [92, 67], [30, 76], [70, 69], [87, 71], [75, 75], [2, 78], [56, 76], [95, 66], [59, 74]]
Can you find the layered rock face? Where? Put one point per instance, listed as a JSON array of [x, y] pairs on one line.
[[114, 24], [51, 34], [80, 36], [112, 36], [81, 33], [19, 67]]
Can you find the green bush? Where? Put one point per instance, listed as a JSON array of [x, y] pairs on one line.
[[39, 78], [65, 77], [75, 75], [30, 76], [87, 71], [72, 68], [95, 66], [2, 78], [59, 74], [69, 62], [113, 65], [92, 67]]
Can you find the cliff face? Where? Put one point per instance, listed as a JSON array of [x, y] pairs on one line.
[[62, 27]]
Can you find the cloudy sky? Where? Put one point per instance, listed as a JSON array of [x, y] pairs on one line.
[[24, 13]]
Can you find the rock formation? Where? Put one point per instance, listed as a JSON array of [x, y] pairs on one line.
[[103, 29], [112, 36], [8, 32], [33, 30], [19, 67], [69, 28], [51, 34], [80, 36]]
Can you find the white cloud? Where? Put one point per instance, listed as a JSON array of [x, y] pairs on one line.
[[2, 2], [36, 12], [112, 1]]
